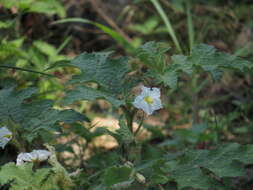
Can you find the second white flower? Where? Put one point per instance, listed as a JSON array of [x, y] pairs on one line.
[[34, 156]]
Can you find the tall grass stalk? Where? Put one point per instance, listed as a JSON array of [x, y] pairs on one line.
[[167, 24]]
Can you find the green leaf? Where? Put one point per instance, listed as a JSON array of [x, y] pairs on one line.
[[86, 93], [189, 170], [11, 100], [204, 57], [153, 55], [97, 67], [5, 24], [120, 175], [11, 48], [33, 116], [23, 177], [181, 62], [37, 6], [169, 78], [48, 7], [147, 27], [45, 48], [108, 73], [40, 116]]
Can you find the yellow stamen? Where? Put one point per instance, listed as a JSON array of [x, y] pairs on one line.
[[149, 100]]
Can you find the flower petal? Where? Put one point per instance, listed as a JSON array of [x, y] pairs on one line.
[[155, 93], [138, 101], [145, 90], [157, 104]]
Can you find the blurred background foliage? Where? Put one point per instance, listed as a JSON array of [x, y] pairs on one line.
[[38, 35]]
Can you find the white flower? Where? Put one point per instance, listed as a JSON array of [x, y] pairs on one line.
[[149, 100], [5, 136], [34, 156]]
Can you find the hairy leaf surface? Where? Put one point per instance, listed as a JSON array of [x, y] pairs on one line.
[[23, 177]]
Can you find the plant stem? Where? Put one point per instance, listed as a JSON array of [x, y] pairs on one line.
[[129, 117], [139, 127], [190, 26]]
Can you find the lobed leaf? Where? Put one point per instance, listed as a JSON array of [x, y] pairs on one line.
[[33, 116], [23, 177], [97, 67], [117, 176], [206, 58]]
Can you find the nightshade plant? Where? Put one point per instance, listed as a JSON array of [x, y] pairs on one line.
[[134, 164]]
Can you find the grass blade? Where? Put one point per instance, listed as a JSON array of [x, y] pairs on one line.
[[167, 24], [190, 26]]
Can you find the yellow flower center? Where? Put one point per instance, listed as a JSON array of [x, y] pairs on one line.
[[149, 100]]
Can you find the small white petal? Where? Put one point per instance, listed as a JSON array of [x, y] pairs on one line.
[[138, 101], [157, 104], [145, 90], [155, 92], [149, 110], [5, 136], [146, 107], [24, 157]]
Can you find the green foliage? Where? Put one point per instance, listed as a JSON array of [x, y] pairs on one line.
[[11, 101], [98, 68], [203, 57], [117, 177], [5, 24], [10, 48], [225, 161], [148, 27], [134, 164], [50, 51], [124, 133], [35, 116], [37, 6], [153, 55], [23, 177]]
